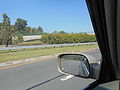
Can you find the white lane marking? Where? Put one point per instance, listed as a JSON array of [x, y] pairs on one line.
[[99, 62], [66, 77]]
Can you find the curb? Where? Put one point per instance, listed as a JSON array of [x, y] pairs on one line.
[[9, 63]]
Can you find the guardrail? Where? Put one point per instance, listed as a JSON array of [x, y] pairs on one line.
[[42, 46]]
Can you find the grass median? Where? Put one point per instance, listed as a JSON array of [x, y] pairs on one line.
[[12, 56]]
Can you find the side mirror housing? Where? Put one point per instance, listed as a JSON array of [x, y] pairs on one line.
[[78, 65], [74, 64]]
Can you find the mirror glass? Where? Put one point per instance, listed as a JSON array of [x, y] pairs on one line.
[[75, 64]]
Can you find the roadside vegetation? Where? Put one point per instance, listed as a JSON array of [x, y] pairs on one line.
[[36, 42], [30, 53], [12, 34], [67, 38]]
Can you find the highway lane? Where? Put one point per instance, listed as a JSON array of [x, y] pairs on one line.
[[40, 76]]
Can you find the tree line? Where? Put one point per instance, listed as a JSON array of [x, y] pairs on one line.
[[57, 38], [16, 31], [12, 34], [61, 32]]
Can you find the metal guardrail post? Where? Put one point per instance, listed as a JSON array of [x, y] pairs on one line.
[[9, 50]]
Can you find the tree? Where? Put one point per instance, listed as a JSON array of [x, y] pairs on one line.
[[34, 30], [0, 33], [62, 32], [18, 39], [27, 30], [0, 26], [40, 29], [20, 24], [6, 30], [55, 32]]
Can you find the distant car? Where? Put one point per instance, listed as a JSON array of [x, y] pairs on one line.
[[105, 16]]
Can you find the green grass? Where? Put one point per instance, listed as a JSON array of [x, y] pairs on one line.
[[11, 56], [1, 46], [36, 42]]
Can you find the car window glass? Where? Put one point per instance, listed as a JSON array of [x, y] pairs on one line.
[[33, 33]]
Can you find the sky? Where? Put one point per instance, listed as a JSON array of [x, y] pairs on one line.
[[52, 15]]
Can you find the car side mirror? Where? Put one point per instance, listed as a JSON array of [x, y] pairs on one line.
[[74, 64]]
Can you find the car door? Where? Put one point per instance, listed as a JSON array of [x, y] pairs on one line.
[[114, 85]]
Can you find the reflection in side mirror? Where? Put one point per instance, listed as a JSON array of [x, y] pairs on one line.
[[74, 64]]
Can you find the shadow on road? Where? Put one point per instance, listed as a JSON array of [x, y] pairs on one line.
[[45, 82]]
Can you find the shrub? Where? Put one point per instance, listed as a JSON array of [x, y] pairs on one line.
[[17, 39], [67, 38]]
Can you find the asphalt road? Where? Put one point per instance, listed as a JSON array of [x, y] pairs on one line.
[[42, 75]]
